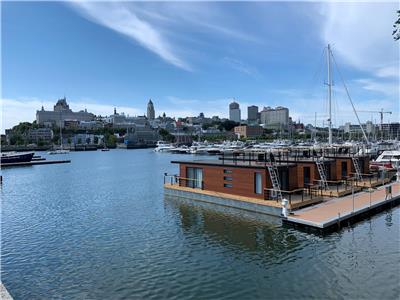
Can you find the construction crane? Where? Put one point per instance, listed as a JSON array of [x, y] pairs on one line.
[[381, 112]]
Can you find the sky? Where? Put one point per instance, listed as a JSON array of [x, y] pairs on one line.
[[192, 57]]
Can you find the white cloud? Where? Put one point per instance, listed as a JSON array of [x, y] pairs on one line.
[[389, 71], [164, 28], [242, 67], [390, 88], [361, 33], [120, 18]]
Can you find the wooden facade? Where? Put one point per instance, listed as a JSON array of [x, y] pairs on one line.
[[239, 177]]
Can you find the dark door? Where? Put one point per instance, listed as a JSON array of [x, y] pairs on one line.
[[344, 169], [306, 175], [284, 179], [328, 171]]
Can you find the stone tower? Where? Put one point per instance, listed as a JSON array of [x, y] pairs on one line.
[[150, 110]]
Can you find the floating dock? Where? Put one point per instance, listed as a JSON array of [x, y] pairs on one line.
[[336, 213], [4, 294], [34, 163]]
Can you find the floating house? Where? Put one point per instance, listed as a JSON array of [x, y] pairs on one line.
[[259, 181]]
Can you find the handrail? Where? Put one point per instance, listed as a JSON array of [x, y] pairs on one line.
[[287, 192], [177, 179]]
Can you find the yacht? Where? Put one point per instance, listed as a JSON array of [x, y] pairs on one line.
[[387, 160], [163, 147], [13, 157], [59, 151]]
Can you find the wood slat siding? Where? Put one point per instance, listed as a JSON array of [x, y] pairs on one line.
[[242, 179]]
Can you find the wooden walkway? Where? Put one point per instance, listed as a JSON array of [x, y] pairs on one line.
[[4, 295], [334, 212]]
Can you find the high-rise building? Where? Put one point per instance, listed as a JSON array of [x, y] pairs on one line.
[[252, 114], [275, 117], [150, 110], [234, 112]]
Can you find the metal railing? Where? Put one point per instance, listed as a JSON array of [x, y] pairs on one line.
[[174, 179], [301, 194]]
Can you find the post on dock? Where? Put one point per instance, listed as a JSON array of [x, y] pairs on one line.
[[285, 207]]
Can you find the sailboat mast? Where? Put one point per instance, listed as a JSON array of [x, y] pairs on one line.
[[60, 132], [329, 95]]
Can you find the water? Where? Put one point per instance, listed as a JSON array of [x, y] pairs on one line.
[[100, 228]]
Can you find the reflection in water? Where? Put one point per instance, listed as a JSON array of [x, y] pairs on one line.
[[248, 231]]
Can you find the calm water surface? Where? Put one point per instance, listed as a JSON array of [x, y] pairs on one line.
[[100, 228]]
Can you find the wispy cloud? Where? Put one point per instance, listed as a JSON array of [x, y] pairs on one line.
[[121, 18], [367, 45], [241, 66], [163, 28], [390, 88]]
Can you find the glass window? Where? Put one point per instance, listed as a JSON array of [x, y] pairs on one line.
[[227, 185], [194, 178], [228, 171], [227, 178], [258, 183]]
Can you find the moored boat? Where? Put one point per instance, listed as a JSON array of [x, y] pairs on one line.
[[16, 157]]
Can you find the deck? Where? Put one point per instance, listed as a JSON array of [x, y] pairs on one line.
[[335, 211]]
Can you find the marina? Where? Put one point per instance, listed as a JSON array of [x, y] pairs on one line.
[[315, 186], [209, 150], [189, 240]]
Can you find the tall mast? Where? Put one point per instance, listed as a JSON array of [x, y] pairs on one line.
[[329, 95], [60, 131]]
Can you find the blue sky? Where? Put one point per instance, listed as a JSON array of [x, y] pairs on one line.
[[195, 57]]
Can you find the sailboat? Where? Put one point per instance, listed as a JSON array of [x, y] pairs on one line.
[[61, 150]]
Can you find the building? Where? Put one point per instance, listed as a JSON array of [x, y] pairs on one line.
[[391, 130], [40, 135], [248, 131], [150, 110], [275, 118], [141, 136], [252, 114], [60, 113], [182, 138], [234, 112], [253, 177]]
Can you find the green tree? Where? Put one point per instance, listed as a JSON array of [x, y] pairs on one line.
[[111, 141]]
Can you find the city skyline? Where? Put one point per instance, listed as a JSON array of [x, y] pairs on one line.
[[100, 64]]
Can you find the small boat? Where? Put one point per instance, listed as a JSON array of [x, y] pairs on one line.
[[105, 149], [59, 151], [13, 157]]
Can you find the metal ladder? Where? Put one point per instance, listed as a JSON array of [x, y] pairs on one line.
[[357, 168], [273, 173], [322, 175]]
